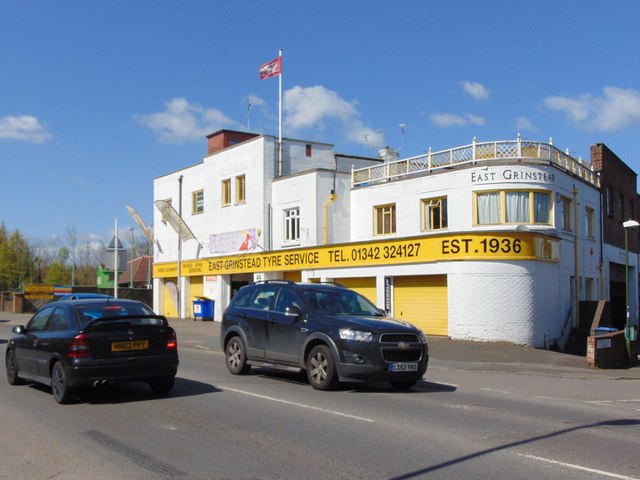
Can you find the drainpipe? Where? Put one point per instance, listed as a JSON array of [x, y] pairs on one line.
[[332, 198], [577, 274]]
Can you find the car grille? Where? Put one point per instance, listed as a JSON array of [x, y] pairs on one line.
[[399, 337], [393, 355]]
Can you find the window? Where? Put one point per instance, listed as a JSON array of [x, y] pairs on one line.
[[38, 322], [226, 191], [197, 202], [434, 213], [385, 219], [513, 206], [263, 297], [488, 208], [588, 221], [292, 225], [517, 207], [566, 213], [308, 150], [608, 201], [57, 321], [240, 189]]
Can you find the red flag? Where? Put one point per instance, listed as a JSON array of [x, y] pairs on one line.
[[271, 69]]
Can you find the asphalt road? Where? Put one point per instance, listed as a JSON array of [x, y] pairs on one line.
[[500, 418]]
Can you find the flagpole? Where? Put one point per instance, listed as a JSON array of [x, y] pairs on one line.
[[280, 117]]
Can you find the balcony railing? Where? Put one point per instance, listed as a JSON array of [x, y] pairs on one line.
[[476, 153]]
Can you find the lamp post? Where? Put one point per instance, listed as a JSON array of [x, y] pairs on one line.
[[131, 261], [627, 332]]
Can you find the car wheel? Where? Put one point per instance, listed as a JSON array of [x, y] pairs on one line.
[[236, 357], [12, 369], [321, 369], [162, 386], [62, 392], [403, 385]]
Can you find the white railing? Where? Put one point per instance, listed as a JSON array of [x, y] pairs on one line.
[[476, 153]]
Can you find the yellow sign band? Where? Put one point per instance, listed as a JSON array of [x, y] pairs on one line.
[[494, 246]]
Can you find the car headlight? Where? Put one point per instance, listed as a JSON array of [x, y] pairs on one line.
[[422, 337], [348, 334]]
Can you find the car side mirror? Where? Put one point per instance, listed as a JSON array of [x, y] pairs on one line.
[[19, 329], [292, 311]]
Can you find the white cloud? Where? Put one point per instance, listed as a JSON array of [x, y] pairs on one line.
[[616, 109], [256, 101], [523, 124], [477, 90], [451, 120], [183, 121], [25, 128], [314, 107]]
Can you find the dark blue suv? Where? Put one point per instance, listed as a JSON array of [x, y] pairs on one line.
[[333, 333]]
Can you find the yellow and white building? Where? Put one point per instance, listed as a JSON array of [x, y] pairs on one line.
[[490, 241]]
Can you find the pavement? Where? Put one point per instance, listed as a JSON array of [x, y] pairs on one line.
[[497, 357]]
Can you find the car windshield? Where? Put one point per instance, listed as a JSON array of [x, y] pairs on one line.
[[91, 311], [340, 302]]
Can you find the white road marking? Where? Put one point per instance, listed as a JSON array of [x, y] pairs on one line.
[[301, 405], [578, 467]]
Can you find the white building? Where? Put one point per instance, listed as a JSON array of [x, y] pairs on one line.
[[490, 241]]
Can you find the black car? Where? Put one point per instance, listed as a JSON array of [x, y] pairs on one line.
[[73, 343], [332, 332]]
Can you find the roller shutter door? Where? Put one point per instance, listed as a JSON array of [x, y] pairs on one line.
[[294, 276], [365, 286], [422, 300], [169, 293]]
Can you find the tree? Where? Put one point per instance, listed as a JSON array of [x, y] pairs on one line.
[[16, 260], [60, 272]]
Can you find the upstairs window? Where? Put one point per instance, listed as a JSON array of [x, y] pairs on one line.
[[240, 189], [588, 222], [513, 206], [385, 219], [292, 225], [566, 213], [308, 150], [226, 191], [488, 208], [197, 202], [434, 214]]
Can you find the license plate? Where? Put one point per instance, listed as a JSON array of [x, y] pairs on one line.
[[129, 345], [403, 367]]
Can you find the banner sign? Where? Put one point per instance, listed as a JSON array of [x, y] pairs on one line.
[[481, 246]]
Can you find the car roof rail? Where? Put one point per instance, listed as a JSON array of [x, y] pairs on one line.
[[287, 282]]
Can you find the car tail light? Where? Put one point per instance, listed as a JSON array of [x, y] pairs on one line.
[[172, 341], [79, 347]]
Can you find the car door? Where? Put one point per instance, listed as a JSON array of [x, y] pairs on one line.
[[27, 344], [54, 339], [286, 332], [255, 318]]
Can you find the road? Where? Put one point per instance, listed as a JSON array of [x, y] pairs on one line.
[[458, 423]]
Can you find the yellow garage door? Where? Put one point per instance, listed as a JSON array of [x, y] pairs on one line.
[[422, 300], [294, 276], [365, 286], [170, 298], [196, 290]]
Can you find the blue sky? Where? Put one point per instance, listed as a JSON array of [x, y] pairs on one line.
[[97, 98]]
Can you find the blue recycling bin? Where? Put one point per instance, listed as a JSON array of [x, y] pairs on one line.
[[604, 330], [203, 309]]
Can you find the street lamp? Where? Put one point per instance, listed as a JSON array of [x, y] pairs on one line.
[[627, 332], [131, 261]]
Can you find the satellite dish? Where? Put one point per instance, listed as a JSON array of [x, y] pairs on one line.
[[173, 218]]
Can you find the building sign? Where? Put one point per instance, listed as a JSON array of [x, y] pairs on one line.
[[34, 291], [512, 175], [435, 248]]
